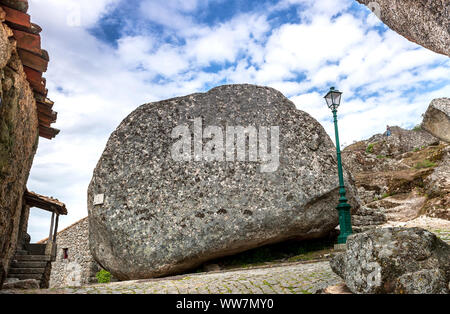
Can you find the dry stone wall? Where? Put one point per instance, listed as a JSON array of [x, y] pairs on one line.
[[77, 267]]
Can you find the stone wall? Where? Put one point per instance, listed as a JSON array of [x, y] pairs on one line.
[[19, 133], [79, 268]]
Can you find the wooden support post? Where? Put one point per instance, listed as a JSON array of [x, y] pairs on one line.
[[50, 235], [49, 246], [56, 228]]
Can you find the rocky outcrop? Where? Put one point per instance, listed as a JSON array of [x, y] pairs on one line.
[[403, 175], [421, 21], [18, 143], [400, 141], [394, 260], [385, 153], [437, 119], [437, 189], [153, 213]]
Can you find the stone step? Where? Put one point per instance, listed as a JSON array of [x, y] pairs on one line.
[[26, 276], [21, 258], [14, 271], [21, 252], [29, 264]]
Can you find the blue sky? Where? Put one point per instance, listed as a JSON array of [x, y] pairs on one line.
[[110, 56]]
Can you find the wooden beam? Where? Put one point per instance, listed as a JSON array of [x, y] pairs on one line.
[[32, 60], [45, 112], [27, 41], [17, 17], [40, 97], [46, 103], [35, 79], [48, 132], [45, 203], [45, 121]]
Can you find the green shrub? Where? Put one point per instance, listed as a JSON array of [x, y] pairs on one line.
[[381, 156], [416, 149], [417, 128], [385, 195], [424, 164], [369, 148], [103, 276]]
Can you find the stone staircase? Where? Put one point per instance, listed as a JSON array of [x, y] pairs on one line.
[[29, 266]]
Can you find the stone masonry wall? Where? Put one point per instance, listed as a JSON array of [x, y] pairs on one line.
[[79, 268], [18, 143]]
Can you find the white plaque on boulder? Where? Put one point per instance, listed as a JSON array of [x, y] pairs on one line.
[[98, 199]]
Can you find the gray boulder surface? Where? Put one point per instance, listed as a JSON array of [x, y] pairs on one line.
[[394, 260], [21, 284], [160, 216], [437, 118], [424, 22]]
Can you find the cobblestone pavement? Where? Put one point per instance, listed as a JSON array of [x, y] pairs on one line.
[[301, 278]]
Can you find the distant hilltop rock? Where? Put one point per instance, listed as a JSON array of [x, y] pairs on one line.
[[437, 118], [151, 214], [424, 22]]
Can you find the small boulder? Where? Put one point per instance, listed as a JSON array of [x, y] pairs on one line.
[[394, 260], [211, 267], [337, 289], [437, 119], [21, 284]]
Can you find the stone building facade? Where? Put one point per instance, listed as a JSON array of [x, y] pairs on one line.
[[74, 264], [25, 115]]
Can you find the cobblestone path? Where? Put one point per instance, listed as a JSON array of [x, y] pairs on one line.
[[294, 278]]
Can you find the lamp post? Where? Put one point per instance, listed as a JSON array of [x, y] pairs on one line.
[[333, 99]]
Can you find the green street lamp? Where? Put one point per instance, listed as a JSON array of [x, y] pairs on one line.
[[333, 99]]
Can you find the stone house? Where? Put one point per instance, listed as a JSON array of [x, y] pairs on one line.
[[25, 115], [74, 264]]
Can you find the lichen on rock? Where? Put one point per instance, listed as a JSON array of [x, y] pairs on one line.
[[394, 260]]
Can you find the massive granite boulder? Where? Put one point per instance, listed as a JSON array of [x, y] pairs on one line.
[[424, 22], [394, 260], [437, 118], [157, 208]]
